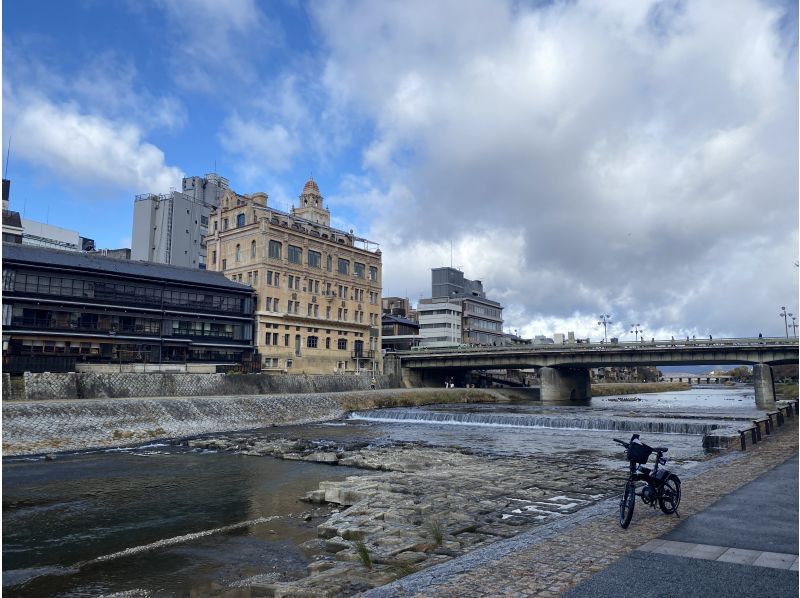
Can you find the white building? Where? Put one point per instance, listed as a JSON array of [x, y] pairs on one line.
[[439, 322], [169, 228]]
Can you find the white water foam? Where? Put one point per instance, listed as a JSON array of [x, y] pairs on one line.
[[177, 540]]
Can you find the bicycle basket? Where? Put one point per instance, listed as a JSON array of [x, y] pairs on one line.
[[639, 453]]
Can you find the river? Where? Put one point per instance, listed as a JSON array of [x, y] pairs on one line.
[[166, 520]]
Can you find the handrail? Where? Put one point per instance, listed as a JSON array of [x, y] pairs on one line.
[[620, 346]]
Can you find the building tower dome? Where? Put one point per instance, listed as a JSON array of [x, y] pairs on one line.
[[311, 207], [311, 188]]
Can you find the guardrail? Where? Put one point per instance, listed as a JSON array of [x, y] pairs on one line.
[[622, 346]]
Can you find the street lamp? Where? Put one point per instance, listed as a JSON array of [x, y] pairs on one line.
[[636, 330], [794, 325], [605, 320], [783, 315]]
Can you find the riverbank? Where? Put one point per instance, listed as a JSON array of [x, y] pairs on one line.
[[34, 427], [786, 392], [632, 388]]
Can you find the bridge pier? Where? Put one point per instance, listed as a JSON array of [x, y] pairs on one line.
[[764, 386], [564, 385]]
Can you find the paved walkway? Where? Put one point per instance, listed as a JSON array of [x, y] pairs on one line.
[[747, 540], [549, 562]]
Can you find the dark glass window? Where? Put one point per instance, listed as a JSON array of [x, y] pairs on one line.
[[275, 249], [295, 254], [344, 266], [315, 259]]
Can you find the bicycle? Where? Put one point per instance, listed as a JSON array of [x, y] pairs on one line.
[[661, 485]]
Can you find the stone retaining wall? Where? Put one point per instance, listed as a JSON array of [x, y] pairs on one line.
[[53, 426], [93, 385]]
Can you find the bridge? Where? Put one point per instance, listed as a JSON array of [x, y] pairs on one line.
[[564, 368]]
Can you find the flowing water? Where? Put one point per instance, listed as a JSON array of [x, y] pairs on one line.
[[163, 520]]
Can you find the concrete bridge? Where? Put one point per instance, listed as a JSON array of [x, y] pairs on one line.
[[564, 369]]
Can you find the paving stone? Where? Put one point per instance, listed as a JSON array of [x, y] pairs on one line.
[[739, 556], [775, 560]]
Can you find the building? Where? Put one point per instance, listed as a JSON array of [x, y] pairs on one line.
[[399, 333], [12, 223], [61, 308], [31, 232], [169, 228], [482, 318], [319, 288], [439, 322], [55, 237]]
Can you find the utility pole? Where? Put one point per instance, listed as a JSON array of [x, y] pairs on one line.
[[605, 320], [794, 326], [636, 330]]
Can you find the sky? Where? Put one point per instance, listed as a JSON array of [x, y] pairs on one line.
[[635, 158]]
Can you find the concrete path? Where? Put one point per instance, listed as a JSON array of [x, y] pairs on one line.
[[744, 544]]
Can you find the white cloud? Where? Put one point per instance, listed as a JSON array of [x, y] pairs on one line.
[[87, 150], [641, 159], [216, 42]]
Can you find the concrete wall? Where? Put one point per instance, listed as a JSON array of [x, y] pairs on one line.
[[57, 426], [84, 385]]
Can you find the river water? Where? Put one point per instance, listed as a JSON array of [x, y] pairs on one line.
[[165, 520]]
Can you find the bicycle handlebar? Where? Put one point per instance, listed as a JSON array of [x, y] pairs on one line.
[[622, 442]]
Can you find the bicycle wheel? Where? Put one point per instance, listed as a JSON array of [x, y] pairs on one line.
[[626, 505], [670, 495]]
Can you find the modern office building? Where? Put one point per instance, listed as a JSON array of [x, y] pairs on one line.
[[169, 228], [439, 322], [319, 288], [61, 308], [482, 318]]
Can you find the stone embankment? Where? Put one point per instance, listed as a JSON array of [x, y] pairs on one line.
[[52, 426], [423, 506], [93, 385]]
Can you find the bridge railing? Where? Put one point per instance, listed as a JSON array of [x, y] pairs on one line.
[[618, 346]]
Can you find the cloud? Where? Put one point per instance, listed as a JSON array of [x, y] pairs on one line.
[[641, 159], [217, 43], [88, 126], [87, 150]]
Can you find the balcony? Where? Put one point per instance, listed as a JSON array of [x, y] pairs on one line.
[[362, 354]]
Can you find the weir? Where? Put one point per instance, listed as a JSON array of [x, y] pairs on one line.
[[650, 425]]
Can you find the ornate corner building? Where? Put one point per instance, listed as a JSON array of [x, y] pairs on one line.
[[318, 288]]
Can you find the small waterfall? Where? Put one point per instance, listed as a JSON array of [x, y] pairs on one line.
[[565, 422]]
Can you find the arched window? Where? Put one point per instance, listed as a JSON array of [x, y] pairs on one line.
[[330, 263], [238, 252], [253, 249], [328, 342]]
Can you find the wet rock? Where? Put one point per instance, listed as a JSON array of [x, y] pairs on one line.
[[320, 457]]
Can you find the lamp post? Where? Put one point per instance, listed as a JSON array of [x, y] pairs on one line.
[[605, 320], [794, 325], [784, 315], [636, 330]]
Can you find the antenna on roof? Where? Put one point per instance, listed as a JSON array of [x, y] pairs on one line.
[[451, 253]]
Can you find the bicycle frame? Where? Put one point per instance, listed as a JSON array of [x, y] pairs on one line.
[[661, 486]]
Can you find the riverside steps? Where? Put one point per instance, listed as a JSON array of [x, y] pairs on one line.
[[556, 559]]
